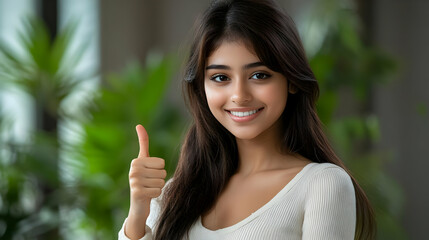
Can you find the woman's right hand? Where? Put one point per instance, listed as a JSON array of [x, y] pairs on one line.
[[147, 178]]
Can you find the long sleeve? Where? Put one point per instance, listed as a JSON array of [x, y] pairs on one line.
[[147, 236], [330, 207], [150, 222]]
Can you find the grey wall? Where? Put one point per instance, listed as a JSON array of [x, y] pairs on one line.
[[130, 28], [401, 29], [126, 32]]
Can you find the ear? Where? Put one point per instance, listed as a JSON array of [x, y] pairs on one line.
[[292, 89]]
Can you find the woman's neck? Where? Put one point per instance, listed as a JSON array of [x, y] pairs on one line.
[[261, 153]]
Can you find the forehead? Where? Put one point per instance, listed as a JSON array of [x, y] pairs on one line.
[[232, 53]]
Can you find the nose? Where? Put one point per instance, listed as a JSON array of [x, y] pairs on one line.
[[240, 93]]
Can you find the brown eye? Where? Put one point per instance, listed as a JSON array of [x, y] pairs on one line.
[[260, 76], [219, 78]]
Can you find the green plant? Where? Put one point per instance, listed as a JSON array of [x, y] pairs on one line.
[[136, 96], [37, 201], [33, 192], [43, 68]]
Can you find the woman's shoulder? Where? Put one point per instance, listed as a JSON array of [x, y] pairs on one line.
[[328, 178], [327, 169]]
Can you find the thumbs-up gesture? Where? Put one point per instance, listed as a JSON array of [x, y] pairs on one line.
[[147, 178]]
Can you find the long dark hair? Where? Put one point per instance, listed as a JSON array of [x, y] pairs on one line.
[[209, 155]]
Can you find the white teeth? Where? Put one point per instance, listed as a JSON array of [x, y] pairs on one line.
[[243, 114]]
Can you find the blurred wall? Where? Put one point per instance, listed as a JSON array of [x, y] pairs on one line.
[[131, 28], [126, 32], [400, 28]]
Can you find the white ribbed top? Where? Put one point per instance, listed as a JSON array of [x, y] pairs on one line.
[[318, 203]]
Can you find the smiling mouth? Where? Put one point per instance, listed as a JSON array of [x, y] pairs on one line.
[[244, 114]]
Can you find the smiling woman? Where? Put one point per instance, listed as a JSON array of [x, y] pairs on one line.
[[243, 94], [255, 163]]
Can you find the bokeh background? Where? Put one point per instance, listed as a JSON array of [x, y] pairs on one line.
[[76, 77]]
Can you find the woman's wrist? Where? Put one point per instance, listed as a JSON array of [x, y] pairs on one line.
[[135, 226]]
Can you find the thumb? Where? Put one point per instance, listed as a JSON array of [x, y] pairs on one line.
[[143, 141]]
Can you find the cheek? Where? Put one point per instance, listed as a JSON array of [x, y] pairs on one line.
[[274, 95], [215, 98]]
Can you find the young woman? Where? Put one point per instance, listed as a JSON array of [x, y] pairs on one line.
[[255, 163]]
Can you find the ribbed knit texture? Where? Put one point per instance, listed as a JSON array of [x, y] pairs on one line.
[[318, 203]]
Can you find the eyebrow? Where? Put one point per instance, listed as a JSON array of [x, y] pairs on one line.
[[225, 67]]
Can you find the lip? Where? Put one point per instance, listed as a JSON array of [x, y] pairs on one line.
[[246, 118]]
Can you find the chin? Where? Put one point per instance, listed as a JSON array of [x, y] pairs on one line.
[[244, 136]]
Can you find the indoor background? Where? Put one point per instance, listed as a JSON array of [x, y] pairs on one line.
[[76, 76]]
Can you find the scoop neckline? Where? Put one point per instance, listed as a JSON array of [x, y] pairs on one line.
[[263, 208]]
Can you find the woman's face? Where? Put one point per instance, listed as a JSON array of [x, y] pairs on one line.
[[244, 95]]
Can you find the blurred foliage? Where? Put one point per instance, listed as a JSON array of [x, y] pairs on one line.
[[27, 211], [343, 63], [41, 67], [32, 191], [36, 200], [130, 98]]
